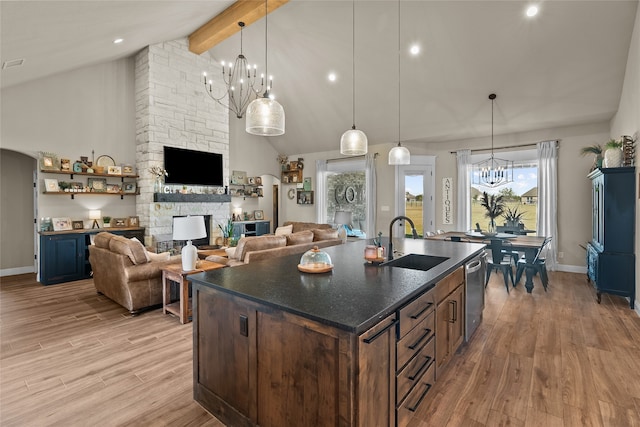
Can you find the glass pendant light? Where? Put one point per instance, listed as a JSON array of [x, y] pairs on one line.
[[353, 141], [399, 155], [265, 116]]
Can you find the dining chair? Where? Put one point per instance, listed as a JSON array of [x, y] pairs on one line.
[[538, 264], [498, 262], [440, 231], [429, 234]]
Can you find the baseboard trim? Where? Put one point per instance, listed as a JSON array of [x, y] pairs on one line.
[[18, 270], [572, 268]]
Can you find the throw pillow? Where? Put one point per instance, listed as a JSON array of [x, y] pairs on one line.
[[324, 234], [287, 229], [300, 237], [164, 256]]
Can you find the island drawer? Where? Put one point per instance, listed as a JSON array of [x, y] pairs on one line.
[[417, 396], [449, 284], [415, 311], [411, 344], [412, 373]]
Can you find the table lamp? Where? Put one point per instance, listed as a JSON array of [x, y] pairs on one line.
[[341, 219], [189, 228], [95, 216]]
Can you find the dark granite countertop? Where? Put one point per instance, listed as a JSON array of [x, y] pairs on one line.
[[354, 296]]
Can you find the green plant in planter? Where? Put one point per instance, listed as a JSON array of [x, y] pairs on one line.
[[613, 144], [593, 149], [227, 229], [613, 154], [106, 220], [495, 206], [513, 217]]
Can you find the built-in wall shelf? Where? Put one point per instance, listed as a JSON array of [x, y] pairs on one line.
[[191, 198]]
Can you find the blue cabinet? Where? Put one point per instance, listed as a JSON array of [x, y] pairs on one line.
[[251, 228], [610, 253], [64, 255]]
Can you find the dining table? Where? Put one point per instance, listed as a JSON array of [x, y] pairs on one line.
[[529, 245]]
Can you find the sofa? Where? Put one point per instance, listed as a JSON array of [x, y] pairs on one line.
[[125, 272], [257, 248], [302, 226]]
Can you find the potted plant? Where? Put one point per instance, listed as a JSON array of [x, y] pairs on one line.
[[594, 149], [613, 154], [513, 217], [495, 206], [106, 221], [227, 231]]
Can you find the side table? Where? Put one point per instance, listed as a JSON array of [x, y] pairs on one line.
[[174, 273]]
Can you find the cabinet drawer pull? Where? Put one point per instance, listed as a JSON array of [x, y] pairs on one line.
[[419, 371], [454, 316], [424, 393], [425, 308], [413, 346], [380, 332]]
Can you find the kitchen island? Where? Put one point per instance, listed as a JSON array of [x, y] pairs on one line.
[[360, 345]]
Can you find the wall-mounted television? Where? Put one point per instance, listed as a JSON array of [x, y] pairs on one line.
[[191, 167]]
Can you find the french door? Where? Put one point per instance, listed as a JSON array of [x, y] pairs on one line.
[[415, 190]]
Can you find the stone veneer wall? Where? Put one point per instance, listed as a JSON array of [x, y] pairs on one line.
[[173, 109], [337, 186]]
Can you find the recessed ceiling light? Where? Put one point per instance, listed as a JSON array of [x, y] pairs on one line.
[[532, 11], [415, 49], [332, 77], [118, 41]]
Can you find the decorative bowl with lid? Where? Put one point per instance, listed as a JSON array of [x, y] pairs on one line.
[[315, 261]]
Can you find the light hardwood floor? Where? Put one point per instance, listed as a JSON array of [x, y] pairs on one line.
[[72, 358]]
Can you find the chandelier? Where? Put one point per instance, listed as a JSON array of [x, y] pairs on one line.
[[492, 172], [265, 116], [399, 155], [353, 141], [239, 78]]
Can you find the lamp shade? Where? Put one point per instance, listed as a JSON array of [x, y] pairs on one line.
[[265, 117], [399, 155], [342, 217], [95, 214], [353, 143], [189, 228]]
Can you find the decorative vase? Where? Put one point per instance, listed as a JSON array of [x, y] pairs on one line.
[[612, 158], [491, 227], [157, 185]]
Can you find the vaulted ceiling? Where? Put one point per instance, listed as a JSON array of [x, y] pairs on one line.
[[564, 67]]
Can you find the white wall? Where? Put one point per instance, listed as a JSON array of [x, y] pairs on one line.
[[627, 122]]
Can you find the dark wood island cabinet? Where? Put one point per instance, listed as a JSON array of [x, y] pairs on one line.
[[354, 347]]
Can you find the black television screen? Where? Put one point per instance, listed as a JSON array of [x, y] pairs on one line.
[[190, 167]]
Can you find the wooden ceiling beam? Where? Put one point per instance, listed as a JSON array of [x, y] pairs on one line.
[[225, 24]]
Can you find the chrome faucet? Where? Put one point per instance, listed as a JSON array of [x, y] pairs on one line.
[[398, 218]]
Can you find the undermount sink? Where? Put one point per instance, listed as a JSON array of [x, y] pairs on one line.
[[415, 262]]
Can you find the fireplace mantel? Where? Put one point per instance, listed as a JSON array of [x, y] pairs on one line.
[[191, 198]]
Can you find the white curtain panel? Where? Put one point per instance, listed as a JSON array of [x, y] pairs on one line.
[[463, 198], [321, 191], [372, 202], [548, 198]]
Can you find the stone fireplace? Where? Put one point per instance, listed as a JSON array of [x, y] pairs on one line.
[[172, 109]]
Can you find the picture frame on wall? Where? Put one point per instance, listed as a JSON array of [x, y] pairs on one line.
[[306, 183], [61, 224], [49, 161], [305, 197], [258, 214]]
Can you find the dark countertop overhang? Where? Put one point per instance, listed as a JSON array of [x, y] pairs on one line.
[[354, 297]]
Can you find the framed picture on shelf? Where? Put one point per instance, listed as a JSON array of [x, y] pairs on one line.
[[97, 185], [258, 180], [65, 165], [119, 222], [113, 188], [49, 161], [61, 224], [127, 170], [114, 170], [238, 177], [77, 225], [305, 197], [258, 214], [129, 187], [251, 180], [133, 221], [51, 185]]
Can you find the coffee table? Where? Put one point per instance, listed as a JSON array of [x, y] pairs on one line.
[[174, 273]]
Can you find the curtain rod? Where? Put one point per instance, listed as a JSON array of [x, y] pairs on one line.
[[375, 156], [533, 144]]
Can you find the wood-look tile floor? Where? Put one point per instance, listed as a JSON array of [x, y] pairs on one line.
[[69, 357]]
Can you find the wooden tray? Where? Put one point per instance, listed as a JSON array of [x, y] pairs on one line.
[[315, 268]]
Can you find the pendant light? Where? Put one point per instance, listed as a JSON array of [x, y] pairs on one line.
[[399, 155], [353, 141], [492, 172], [265, 116]]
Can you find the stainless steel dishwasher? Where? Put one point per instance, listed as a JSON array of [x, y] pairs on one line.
[[475, 271]]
